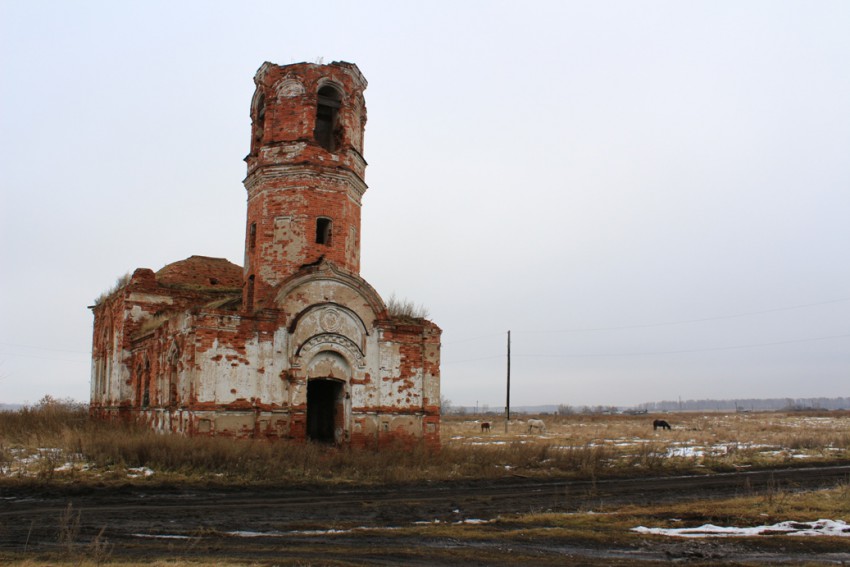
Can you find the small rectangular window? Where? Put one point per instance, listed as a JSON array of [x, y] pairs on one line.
[[252, 236], [323, 231]]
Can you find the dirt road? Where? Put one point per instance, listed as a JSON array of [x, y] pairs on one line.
[[360, 525]]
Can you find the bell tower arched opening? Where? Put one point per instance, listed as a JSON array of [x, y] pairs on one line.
[[327, 119]]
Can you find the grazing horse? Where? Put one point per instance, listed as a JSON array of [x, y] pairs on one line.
[[536, 424], [485, 426], [660, 423]]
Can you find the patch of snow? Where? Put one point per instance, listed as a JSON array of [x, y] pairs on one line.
[[139, 472], [275, 533], [817, 528], [786, 454], [243, 533], [685, 452], [320, 532]]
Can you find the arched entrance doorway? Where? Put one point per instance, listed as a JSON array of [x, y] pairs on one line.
[[324, 409]]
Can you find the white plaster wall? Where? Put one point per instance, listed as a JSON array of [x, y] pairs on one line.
[[368, 394], [407, 392], [229, 378], [272, 388], [327, 289], [389, 365], [430, 382]]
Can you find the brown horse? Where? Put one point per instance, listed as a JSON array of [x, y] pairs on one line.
[[485, 426], [660, 423]]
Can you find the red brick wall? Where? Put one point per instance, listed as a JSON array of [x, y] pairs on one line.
[[293, 180], [237, 358]]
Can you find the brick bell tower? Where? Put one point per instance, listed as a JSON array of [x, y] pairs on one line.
[[305, 177]]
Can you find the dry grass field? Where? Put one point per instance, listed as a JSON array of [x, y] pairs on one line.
[[54, 444], [55, 441], [621, 443]]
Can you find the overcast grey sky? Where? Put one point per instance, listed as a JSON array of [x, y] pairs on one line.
[[654, 197]]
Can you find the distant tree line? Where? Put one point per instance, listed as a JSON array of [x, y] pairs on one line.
[[565, 409], [749, 404], [741, 404]]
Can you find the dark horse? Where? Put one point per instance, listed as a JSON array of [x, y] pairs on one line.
[[485, 426], [660, 423]]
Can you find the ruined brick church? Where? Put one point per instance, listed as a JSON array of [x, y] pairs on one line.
[[295, 344]]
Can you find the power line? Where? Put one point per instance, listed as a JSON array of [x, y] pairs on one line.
[[45, 348], [479, 337], [87, 360], [684, 351], [685, 321], [443, 362], [659, 324], [653, 353]]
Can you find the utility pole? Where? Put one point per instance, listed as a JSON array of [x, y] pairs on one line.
[[508, 403]]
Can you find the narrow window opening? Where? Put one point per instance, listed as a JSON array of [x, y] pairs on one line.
[[100, 382], [172, 378], [140, 384], [252, 236], [260, 121], [146, 383], [249, 300], [104, 364], [323, 231], [326, 131]]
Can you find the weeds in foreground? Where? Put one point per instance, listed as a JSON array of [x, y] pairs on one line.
[[96, 552], [55, 441], [69, 529], [99, 550]]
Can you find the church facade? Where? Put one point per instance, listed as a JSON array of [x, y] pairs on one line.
[[294, 344]]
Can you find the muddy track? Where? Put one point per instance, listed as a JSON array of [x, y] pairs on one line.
[[164, 522]]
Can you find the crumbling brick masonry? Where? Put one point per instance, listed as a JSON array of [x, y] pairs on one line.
[[295, 344]]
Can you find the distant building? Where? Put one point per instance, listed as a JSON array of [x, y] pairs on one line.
[[295, 344]]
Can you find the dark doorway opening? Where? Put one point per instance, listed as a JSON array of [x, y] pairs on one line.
[[323, 409]]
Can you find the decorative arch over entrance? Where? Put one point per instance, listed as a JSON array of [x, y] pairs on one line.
[[328, 374]]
